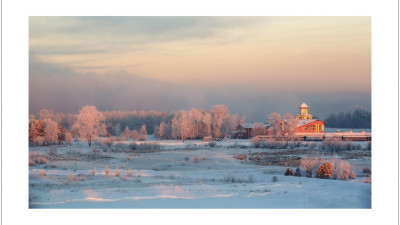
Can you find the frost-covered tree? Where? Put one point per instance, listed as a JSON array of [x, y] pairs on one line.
[[143, 133], [175, 127], [196, 116], [161, 130], [135, 135], [258, 129], [207, 118], [127, 133], [220, 118], [290, 124], [38, 140], [275, 120], [36, 128], [68, 138], [46, 114], [90, 123], [51, 131]]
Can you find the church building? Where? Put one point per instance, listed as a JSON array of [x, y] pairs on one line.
[[306, 124]]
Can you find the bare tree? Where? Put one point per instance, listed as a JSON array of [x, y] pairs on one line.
[[90, 123]]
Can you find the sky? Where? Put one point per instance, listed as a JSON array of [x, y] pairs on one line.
[[254, 65]]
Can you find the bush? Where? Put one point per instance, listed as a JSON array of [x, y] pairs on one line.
[[31, 163], [71, 177], [107, 171], [121, 147], [212, 144], [194, 160], [150, 146], [335, 145], [342, 170], [93, 172], [41, 160], [309, 165], [129, 173], [324, 170], [298, 172], [52, 152], [256, 142], [274, 179], [109, 141], [117, 172], [42, 173], [289, 172]]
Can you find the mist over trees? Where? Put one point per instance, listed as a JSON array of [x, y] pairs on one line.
[[356, 118]]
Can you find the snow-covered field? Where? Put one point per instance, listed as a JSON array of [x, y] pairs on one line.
[[183, 175]]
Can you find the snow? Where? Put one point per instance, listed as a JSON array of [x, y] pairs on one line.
[[184, 175]]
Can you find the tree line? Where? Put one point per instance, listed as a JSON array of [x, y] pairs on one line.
[[357, 118], [47, 127]]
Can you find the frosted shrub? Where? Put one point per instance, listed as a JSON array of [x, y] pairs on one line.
[[324, 170], [334, 145], [256, 142], [212, 144], [194, 160], [312, 145], [129, 173], [289, 172], [150, 146], [31, 163], [42, 173], [342, 170], [93, 172], [52, 152], [117, 172], [309, 164], [109, 141], [346, 172], [107, 171], [121, 147], [70, 176], [41, 160]]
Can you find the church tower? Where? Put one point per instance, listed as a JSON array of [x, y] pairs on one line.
[[304, 113]]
